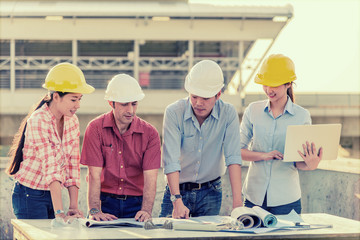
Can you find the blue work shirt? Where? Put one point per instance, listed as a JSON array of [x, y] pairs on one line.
[[198, 152], [261, 132]]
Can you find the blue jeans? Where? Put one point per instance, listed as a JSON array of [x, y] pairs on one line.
[[30, 203], [278, 210], [203, 202], [121, 208]]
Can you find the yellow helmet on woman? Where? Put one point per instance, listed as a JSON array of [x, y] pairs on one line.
[[276, 70], [67, 77]]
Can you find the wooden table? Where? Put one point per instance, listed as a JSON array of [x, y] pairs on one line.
[[343, 228]]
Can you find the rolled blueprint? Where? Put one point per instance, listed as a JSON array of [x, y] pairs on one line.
[[249, 221], [254, 217], [247, 216], [268, 219]]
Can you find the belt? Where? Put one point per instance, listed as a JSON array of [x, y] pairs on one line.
[[121, 197], [188, 186]]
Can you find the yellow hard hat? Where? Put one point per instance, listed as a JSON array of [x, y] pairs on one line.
[[66, 77], [276, 70]]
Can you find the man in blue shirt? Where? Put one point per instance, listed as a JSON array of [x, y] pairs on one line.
[[198, 133]]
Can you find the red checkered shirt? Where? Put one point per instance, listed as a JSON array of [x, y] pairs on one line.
[[47, 158]]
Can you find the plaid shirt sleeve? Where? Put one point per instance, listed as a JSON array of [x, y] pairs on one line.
[[48, 151], [73, 163]]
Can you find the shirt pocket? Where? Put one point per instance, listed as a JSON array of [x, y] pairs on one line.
[[188, 143], [108, 155]]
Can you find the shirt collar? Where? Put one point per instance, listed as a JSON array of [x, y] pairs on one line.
[[289, 107], [135, 126], [190, 114], [48, 112], [215, 110], [188, 110], [109, 121]]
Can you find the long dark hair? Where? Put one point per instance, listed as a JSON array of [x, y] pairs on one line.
[[290, 92], [16, 150]]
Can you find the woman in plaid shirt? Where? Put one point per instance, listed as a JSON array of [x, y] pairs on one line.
[[45, 152]]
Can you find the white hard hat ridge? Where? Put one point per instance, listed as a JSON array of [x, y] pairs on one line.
[[123, 88], [205, 79]]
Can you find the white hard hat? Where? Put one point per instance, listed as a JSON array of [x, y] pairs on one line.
[[205, 79], [123, 88]]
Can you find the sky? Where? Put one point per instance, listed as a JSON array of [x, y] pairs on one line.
[[322, 39]]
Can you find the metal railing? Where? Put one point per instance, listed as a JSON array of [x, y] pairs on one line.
[[30, 71]]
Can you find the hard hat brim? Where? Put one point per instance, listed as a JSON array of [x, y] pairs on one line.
[[85, 89], [136, 98], [272, 83]]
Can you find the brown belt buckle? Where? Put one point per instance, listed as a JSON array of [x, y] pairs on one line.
[[198, 187]]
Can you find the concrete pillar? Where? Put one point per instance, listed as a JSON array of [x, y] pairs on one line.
[[74, 51], [136, 59], [191, 54], [12, 65], [240, 89]]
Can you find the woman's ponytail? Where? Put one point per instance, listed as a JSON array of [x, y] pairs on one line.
[[290, 92]]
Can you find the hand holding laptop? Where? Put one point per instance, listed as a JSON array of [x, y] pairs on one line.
[[310, 155], [324, 136]]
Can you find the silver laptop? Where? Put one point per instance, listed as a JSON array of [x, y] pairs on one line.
[[326, 136]]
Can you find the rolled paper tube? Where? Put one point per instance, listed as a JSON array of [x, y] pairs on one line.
[[194, 227], [270, 221], [247, 221]]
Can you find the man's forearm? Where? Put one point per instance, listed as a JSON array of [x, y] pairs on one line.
[[149, 192], [148, 200], [173, 182], [235, 181], [94, 190]]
